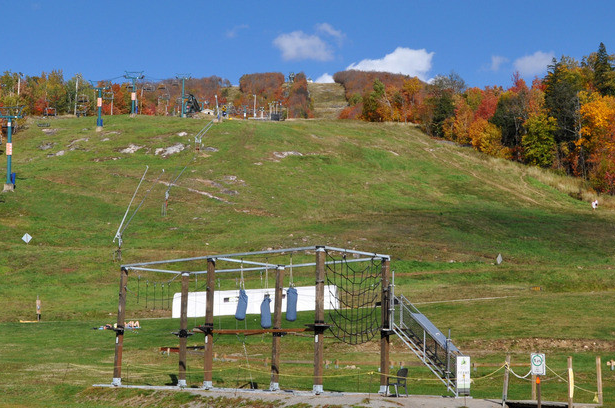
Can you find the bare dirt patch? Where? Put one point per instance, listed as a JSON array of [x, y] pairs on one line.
[[543, 344]]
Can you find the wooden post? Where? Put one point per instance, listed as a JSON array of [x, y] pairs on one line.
[[183, 330], [599, 378], [38, 309], [538, 396], [319, 320], [119, 330], [277, 324], [533, 387], [570, 383], [506, 376], [386, 326], [209, 324]]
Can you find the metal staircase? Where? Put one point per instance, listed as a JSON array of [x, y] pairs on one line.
[[434, 349]]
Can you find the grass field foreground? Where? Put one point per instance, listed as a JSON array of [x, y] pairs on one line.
[[443, 213]]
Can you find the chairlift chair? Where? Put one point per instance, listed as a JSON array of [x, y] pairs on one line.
[[149, 87], [49, 111]]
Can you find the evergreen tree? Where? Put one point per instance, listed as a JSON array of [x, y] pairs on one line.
[[604, 79], [562, 85]]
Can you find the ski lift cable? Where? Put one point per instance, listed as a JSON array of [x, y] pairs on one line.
[[176, 178], [118, 234], [143, 200]]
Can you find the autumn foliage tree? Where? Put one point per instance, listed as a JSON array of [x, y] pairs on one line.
[[298, 100]]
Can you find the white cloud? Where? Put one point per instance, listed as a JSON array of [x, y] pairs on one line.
[[403, 60], [325, 79], [328, 29], [533, 64], [301, 46], [233, 32], [496, 62]]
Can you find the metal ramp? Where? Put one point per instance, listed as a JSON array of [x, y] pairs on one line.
[[424, 339]]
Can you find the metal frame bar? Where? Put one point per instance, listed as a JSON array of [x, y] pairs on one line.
[[319, 325], [262, 266], [229, 257]]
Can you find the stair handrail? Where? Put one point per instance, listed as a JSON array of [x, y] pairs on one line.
[[439, 365]]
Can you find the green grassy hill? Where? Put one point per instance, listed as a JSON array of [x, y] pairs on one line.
[[443, 212]]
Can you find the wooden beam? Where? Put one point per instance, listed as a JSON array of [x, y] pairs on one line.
[[385, 342], [506, 376], [599, 378], [119, 332], [319, 320], [249, 332], [277, 324], [183, 330], [209, 323]]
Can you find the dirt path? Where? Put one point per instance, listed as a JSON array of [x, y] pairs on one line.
[[305, 399]]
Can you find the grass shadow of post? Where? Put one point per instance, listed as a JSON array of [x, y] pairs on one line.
[[173, 379]]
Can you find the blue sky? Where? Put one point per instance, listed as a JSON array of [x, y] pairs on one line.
[[483, 41]]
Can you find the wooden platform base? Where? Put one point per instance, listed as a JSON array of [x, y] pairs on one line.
[[250, 332]]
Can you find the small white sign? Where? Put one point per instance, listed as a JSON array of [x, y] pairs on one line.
[[9, 149], [26, 238], [538, 364], [463, 375]]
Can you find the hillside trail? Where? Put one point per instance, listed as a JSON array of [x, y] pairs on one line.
[[485, 180], [329, 100]]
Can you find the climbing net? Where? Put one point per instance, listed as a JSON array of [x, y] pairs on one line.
[[355, 318]]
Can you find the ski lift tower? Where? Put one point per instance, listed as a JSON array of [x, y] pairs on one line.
[[183, 77], [100, 89], [133, 76], [10, 113]]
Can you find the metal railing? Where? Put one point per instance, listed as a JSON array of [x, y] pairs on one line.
[[434, 349], [199, 136]]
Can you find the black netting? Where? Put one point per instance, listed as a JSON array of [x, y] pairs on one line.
[[355, 289]]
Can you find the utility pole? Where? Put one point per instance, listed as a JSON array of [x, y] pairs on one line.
[[19, 82], [217, 109], [183, 77], [76, 93], [10, 113], [133, 76], [99, 121]]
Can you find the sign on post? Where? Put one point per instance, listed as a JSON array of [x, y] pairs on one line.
[[463, 375], [9, 149], [538, 364]]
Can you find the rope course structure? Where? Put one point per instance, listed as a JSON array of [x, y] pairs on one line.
[[361, 280]]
